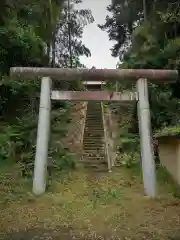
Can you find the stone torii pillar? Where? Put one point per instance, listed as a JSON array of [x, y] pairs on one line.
[[147, 152], [137, 75], [40, 165]]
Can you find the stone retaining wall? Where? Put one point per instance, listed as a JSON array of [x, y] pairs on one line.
[[111, 134], [76, 131]]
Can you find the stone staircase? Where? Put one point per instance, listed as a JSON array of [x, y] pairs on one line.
[[93, 142]]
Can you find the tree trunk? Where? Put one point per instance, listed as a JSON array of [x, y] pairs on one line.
[[48, 54], [53, 49]]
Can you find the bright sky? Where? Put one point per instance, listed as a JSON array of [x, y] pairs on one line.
[[96, 39]]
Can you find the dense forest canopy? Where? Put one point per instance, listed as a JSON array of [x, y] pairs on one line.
[[34, 33], [132, 34], [29, 29], [49, 33], [152, 43]]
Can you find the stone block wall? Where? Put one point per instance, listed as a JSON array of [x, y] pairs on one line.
[[169, 154], [111, 133], [76, 130]]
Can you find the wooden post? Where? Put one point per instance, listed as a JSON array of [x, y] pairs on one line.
[[147, 156], [40, 167]]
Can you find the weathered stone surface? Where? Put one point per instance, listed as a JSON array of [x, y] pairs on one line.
[[75, 135], [93, 143], [64, 74], [94, 96]]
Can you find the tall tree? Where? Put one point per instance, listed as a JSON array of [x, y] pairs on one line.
[[127, 15], [69, 45], [154, 43]]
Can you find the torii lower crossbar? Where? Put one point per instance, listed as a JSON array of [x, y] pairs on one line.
[[94, 96]]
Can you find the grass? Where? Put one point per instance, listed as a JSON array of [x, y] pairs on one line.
[[89, 206], [86, 205], [165, 179]]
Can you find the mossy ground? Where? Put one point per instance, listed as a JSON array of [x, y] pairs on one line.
[[84, 205]]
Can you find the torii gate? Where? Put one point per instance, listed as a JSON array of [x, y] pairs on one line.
[[140, 76]]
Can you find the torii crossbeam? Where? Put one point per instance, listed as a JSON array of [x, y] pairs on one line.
[[140, 76], [71, 74]]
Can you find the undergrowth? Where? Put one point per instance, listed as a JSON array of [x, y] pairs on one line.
[[129, 155], [18, 144]]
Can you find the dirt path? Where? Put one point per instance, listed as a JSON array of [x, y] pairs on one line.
[[88, 206]]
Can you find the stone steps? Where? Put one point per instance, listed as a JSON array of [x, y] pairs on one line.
[[93, 153], [94, 145], [94, 119], [92, 161], [94, 124], [90, 129], [99, 136], [92, 137], [90, 142], [98, 149], [90, 132], [93, 156]]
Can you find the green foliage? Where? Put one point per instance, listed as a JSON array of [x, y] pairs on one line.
[[19, 45], [102, 195], [28, 30], [168, 131], [129, 144], [60, 157], [17, 143], [5, 144], [130, 159], [69, 45], [64, 161], [151, 44], [164, 107], [165, 178]]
